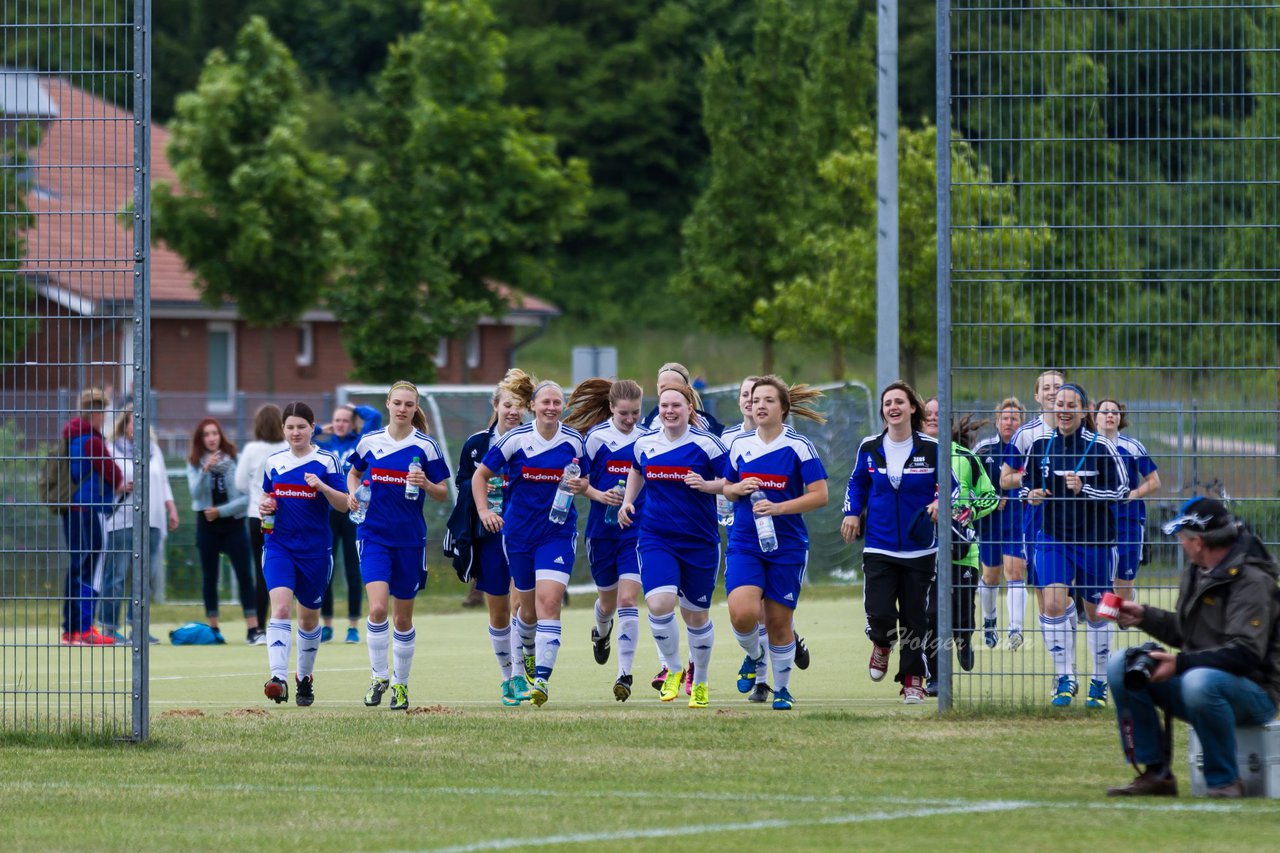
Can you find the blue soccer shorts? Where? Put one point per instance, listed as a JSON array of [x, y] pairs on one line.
[[1088, 570], [402, 568], [688, 570], [613, 560], [546, 561], [307, 575], [493, 576], [779, 576]]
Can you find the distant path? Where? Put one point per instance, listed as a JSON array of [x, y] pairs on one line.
[[1212, 444]]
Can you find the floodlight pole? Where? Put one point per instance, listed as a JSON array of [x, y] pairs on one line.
[[887, 195]]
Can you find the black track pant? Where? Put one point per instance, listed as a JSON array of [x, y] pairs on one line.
[[895, 594], [964, 590]]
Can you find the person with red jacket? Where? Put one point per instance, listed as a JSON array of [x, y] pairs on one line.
[[99, 483]]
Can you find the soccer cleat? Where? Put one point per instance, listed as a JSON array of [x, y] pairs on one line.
[[1064, 691], [1015, 640], [760, 693], [622, 688], [530, 668], [659, 679], [878, 666], [600, 645], [399, 697], [931, 687], [1097, 697], [802, 653], [377, 686], [747, 673], [277, 690], [304, 691], [353, 636], [540, 692], [509, 697], [671, 686], [912, 690], [70, 638], [699, 698], [782, 700], [688, 679], [520, 688], [989, 635], [326, 633], [93, 638]]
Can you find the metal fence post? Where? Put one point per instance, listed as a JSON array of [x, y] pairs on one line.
[[945, 616]]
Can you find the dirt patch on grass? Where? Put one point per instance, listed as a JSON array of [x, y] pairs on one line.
[[247, 712], [728, 712], [439, 710], [183, 712]]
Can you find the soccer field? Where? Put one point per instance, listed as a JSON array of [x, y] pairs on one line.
[[849, 768]]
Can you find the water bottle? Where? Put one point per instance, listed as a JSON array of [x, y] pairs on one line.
[[495, 495], [764, 525], [611, 513], [269, 520], [410, 490], [364, 495], [724, 511], [564, 494]]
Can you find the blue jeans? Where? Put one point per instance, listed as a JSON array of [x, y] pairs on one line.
[[85, 531], [1214, 702], [116, 571]]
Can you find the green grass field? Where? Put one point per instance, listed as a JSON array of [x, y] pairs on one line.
[[849, 768]]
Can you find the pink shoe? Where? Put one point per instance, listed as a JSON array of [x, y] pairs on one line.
[[912, 690], [878, 666], [688, 679]]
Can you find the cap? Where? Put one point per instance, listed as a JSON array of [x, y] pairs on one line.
[[1200, 515], [93, 400]]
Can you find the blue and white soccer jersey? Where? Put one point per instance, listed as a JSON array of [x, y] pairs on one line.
[[611, 550], [392, 540], [1032, 516], [1131, 516], [298, 554], [785, 467], [1000, 532], [679, 541], [537, 548]]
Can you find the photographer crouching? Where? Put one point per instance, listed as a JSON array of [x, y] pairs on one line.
[[1227, 673]]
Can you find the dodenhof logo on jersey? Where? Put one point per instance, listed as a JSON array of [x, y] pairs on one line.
[[768, 481], [618, 466], [292, 490], [666, 472], [542, 475], [385, 475]]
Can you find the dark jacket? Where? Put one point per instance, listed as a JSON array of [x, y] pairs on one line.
[[96, 476], [1228, 617], [463, 528]]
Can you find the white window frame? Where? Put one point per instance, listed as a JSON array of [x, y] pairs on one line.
[[306, 354], [473, 348], [228, 406], [441, 357]]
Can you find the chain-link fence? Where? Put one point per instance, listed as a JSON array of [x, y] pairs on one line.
[[74, 92], [1109, 199]]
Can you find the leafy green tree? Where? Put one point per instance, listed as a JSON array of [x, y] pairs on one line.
[[459, 190], [771, 116], [254, 214], [15, 293]]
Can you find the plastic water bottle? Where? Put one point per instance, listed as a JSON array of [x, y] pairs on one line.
[[564, 494], [611, 514], [410, 490], [364, 495], [495, 495], [764, 525], [724, 511], [269, 520]]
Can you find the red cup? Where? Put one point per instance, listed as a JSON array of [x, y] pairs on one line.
[[1109, 607]]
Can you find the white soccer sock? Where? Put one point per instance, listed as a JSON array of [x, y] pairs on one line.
[[1016, 601], [628, 637], [378, 639], [667, 638], [500, 638], [279, 638], [762, 665], [402, 646], [1060, 642], [548, 646], [1074, 618], [750, 642], [987, 599], [1098, 637], [528, 636], [701, 641], [308, 645], [783, 657], [517, 647], [604, 624]]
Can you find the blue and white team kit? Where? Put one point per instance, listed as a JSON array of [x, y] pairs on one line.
[[1000, 533], [1131, 516], [679, 538], [392, 540], [611, 549], [298, 554], [537, 548], [785, 467]]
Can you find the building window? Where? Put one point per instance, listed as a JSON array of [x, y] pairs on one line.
[[306, 344], [441, 358], [222, 367], [473, 349]]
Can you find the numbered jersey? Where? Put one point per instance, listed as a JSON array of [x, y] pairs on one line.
[[302, 511], [534, 466], [609, 457], [392, 518], [673, 510], [785, 467]]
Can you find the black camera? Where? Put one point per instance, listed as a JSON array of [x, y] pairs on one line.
[[1139, 665]]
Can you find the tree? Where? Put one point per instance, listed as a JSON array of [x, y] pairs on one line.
[[15, 293], [459, 190], [254, 214], [771, 117]]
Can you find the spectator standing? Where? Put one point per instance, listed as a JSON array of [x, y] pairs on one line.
[[268, 438]]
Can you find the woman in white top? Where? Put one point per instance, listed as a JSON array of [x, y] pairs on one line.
[[163, 513], [268, 438]]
